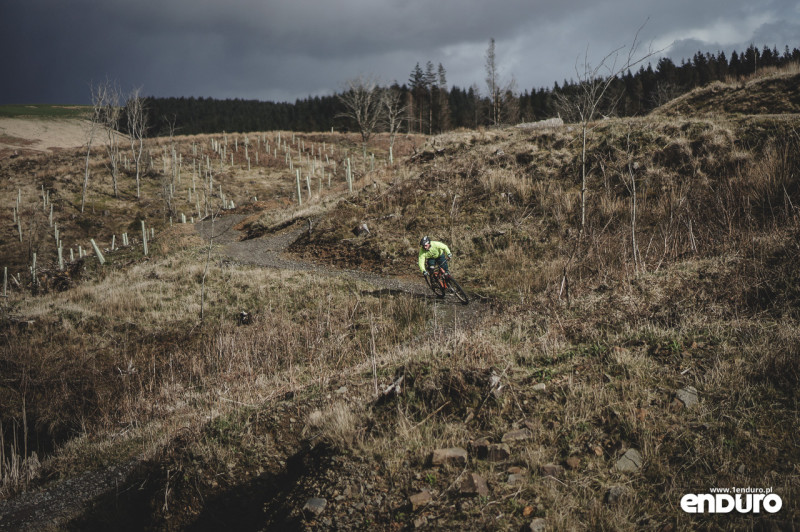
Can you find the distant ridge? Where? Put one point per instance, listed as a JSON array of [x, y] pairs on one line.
[[776, 92]]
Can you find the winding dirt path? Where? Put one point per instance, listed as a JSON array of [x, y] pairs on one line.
[[51, 508], [270, 251]]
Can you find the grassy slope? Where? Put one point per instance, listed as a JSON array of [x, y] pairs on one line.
[[774, 93], [713, 305], [44, 111], [241, 424]]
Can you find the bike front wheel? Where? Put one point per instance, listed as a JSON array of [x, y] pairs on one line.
[[435, 285], [456, 289]]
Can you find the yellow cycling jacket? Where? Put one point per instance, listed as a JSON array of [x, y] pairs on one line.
[[437, 248]]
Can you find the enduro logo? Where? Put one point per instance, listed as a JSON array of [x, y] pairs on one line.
[[726, 500]]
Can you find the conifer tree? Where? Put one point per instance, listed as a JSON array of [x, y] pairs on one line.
[[417, 83], [735, 66], [431, 93]]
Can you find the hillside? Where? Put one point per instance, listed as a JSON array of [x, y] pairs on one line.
[[27, 135], [598, 376], [770, 93]]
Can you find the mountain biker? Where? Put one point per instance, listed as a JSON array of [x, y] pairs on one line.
[[432, 253]]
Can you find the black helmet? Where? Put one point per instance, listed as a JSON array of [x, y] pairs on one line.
[[425, 241]]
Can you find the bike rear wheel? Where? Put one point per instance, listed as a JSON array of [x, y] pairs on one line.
[[456, 289]]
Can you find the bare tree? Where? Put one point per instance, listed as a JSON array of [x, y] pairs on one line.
[[592, 92], [431, 88], [214, 215], [110, 115], [168, 179], [493, 83], [665, 92], [94, 120], [504, 105], [395, 112], [443, 106], [137, 129], [363, 103], [632, 167]]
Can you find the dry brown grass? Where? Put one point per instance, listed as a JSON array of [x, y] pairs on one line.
[[61, 176], [71, 378], [714, 215], [712, 303], [769, 91], [152, 357], [337, 426]]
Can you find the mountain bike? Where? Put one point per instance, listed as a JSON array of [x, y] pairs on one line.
[[442, 283]]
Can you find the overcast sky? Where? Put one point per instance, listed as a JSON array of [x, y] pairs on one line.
[[280, 50]]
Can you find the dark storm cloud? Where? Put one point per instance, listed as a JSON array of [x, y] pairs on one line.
[[286, 50]]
